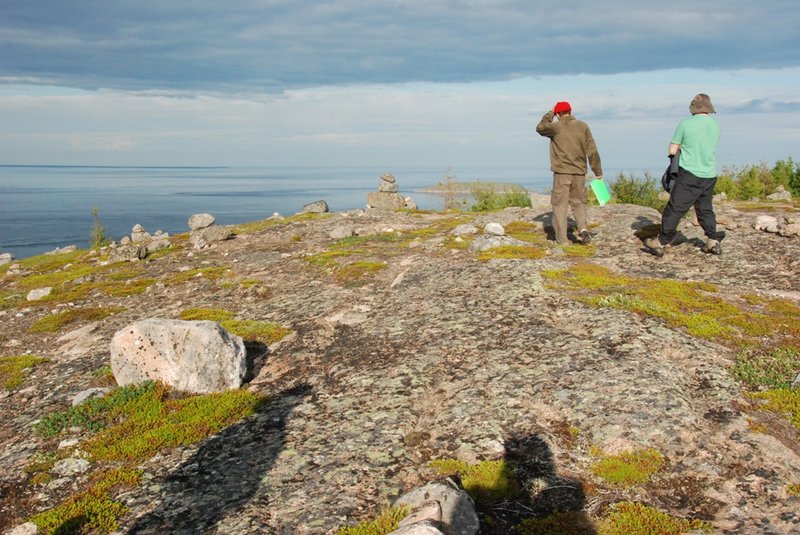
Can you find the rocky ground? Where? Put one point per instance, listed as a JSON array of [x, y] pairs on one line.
[[439, 355]]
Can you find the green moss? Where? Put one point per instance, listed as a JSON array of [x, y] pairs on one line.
[[206, 314], [628, 518], [135, 422], [51, 262], [14, 369], [257, 331], [485, 482], [695, 306], [10, 299], [784, 401], [569, 523], [793, 489], [385, 523], [92, 511], [527, 232], [54, 322], [356, 273], [512, 252], [582, 251], [327, 259], [773, 369], [629, 468], [251, 330]]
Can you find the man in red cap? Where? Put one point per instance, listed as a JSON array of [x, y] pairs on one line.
[[571, 145]]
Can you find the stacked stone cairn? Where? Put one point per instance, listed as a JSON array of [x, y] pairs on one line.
[[139, 244], [387, 197]]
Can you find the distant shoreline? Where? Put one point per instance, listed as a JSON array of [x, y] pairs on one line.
[[467, 187]]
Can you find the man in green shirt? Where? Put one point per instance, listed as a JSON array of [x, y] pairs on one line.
[[695, 142]]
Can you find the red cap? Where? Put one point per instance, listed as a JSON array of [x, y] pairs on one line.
[[561, 107]]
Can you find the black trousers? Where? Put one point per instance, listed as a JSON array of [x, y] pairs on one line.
[[689, 191]]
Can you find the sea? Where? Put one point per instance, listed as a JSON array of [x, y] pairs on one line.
[[45, 207]]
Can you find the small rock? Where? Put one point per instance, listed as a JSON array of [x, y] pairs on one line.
[[790, 230], [767, 223], [88, 394], [464, 230], [495, 229], [39, 293], [344, 231], [70, 467], [28, 528], [780, 195]]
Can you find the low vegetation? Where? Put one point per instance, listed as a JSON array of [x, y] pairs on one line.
[[14, 369], [628, 468], [127, 426], [386, 522], [696, 306], [629, 518], [251, 330], [55, 322]]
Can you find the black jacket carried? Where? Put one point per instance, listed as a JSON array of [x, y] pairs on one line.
[[669, 176]]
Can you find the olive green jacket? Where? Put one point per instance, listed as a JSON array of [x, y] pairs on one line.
[[571, 144]]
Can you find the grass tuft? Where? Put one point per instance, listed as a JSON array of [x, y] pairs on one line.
[[512, 252]]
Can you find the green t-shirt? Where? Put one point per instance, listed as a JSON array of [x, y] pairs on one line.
[[698, 137]]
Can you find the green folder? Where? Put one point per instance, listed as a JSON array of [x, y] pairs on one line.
[[601, 191]]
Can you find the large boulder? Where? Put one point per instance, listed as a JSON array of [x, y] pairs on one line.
[[316, 207], [194, 356]]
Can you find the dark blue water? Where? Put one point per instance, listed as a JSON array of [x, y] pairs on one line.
[[44, 207]]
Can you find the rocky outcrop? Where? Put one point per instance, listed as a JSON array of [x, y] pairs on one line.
[[437, 355], [193, 356]]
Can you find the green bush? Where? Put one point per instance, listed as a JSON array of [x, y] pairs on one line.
[[641, 191], [488, 198]]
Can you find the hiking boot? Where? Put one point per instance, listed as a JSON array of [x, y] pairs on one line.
[[585, 237], [655, 246], [712, 247]]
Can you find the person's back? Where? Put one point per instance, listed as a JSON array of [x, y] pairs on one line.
[[698, 137]]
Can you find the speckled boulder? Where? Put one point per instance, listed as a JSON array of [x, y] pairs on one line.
[[193, 356]]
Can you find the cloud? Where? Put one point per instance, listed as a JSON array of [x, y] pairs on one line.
[[274, 45]]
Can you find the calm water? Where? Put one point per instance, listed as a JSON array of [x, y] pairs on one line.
[[44, 207]]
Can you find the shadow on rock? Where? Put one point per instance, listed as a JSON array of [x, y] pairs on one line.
[[224, 475], [549, 502]]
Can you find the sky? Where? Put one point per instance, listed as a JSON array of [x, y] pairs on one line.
[[432, 83]]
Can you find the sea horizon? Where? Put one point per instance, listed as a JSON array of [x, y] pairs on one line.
[[48, 206]]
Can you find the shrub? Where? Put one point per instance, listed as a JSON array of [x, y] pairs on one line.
[[97, 235], [630, 190], [488, 197]]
